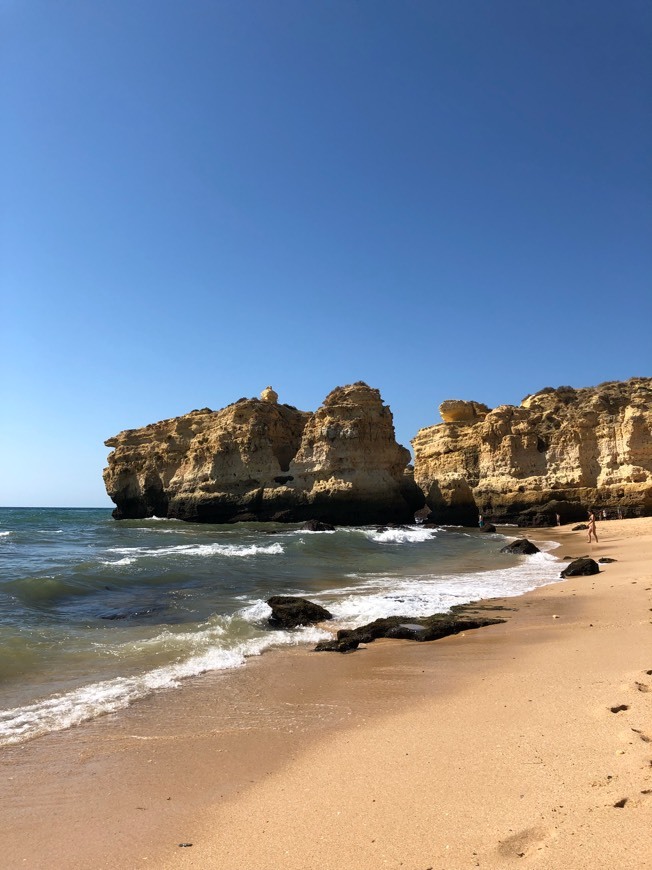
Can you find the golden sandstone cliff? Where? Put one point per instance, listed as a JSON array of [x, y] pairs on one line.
[[561, 451], [261, 460]]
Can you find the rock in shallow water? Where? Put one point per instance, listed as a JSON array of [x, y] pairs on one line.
[[289, 612], [521, 547]]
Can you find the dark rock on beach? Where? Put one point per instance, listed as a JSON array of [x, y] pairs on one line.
[[488, 527], [343, 646], [606, 560], [289, 612], [581, 528], [521, 547], [407, 628], [581, 568]]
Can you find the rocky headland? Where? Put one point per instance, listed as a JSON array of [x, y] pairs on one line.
[[260, 460], [559, 452]]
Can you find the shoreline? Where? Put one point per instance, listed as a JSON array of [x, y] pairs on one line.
[[400, 752]]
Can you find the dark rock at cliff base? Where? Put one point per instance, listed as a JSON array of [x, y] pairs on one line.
[[488, 528], [521, 547], [407, 628], [316, 526], [542, 516], [606, 560], [581, 568], [581, 528], [246, 517], [289, 612]]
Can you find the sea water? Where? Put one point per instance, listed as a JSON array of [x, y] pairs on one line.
[[95, 614]]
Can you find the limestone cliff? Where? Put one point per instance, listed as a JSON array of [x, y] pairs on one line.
[[261, 460], [561, 451]]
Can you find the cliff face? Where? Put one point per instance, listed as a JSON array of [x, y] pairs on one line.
[[561, 451], [260, 460]]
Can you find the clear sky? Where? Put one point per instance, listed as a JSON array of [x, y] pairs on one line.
[[446, 199]]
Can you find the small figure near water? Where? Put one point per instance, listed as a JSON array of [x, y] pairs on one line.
[[480, 521], [591, 527], [558, 518]]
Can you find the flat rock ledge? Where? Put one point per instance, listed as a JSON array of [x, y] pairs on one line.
[[462, 618]]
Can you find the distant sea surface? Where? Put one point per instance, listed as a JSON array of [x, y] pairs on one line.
[[95, 614]]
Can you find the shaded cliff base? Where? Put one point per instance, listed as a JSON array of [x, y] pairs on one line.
[[523, 743]]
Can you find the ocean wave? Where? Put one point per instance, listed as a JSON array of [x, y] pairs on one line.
[[39, 591], [5, 534], [65, 710], [400, 536], [229, 550], [382, 595]]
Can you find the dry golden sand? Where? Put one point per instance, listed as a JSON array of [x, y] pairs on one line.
[[494, 748]]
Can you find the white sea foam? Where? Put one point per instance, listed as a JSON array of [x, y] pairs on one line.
[[125, 561], [314, 532], [234, 550], [379, 596], [401, 536], [5, 534], [65, 710]]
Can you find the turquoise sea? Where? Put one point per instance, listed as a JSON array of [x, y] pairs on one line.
[[95, 614]]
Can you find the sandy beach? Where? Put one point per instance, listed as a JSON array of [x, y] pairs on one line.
[[528, 742]]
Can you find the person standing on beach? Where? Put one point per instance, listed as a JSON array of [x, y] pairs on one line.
[[591, 527]]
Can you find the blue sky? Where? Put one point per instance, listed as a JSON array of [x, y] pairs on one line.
[[445, 199]]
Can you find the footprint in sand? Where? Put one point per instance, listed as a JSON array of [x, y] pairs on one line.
[[525, 843]]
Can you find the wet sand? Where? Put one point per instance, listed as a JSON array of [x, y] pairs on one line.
[[513, 744]]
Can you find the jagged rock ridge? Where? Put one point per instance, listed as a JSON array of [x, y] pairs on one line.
[[561, 451], [260, 460]]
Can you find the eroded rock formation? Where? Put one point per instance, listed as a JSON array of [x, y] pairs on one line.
[[261, 460], [561, 451]]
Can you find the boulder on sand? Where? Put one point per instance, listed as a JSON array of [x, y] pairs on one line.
[[581, 568]]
